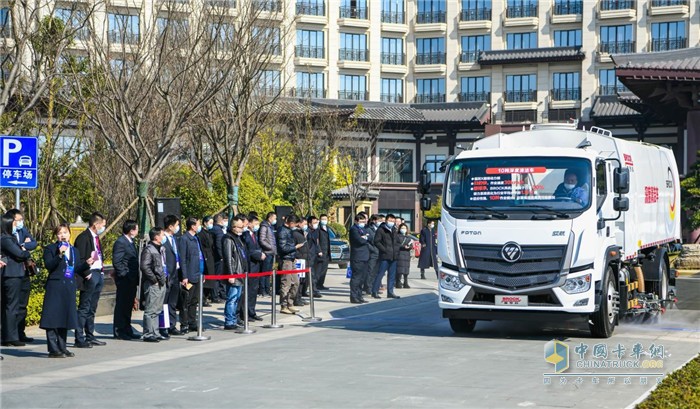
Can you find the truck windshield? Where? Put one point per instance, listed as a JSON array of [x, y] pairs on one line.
[[538, 184]]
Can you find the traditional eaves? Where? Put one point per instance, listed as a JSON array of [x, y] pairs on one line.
[[532, 55], [606, 106], [687, 59]]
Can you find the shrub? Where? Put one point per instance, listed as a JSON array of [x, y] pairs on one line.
[[339, 229], [679, 390]]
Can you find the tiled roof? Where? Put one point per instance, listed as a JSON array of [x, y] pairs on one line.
[[502, 57], [342, 193], [610, 106], [687, 59], [466, 111]]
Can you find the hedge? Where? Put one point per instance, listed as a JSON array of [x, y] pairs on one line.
[[681, 389]]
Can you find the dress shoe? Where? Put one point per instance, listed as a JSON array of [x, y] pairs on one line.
[[193, 329], [352, 301], [292, 309], [398, 285], [363, 301], [174, 331], [56, 355], [375, 295], [184, 331], [206, 304], [232, 327], [123, 337], [163, 337], [135, 335], [97, 342], [256, 318], [405, 285], [13, 344], [285, 310], [68, 354], [321, 287], [84, 344], [390, 295], [26, 339], [151, 339], [318, 295], [422, 276]]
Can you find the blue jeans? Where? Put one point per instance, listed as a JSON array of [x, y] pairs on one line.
[[384, 266], [233, 294]]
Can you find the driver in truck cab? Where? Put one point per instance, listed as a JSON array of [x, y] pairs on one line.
[[571, 189]]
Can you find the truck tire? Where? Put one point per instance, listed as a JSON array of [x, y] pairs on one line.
[[605, 319], [660, 287], [462, 326]]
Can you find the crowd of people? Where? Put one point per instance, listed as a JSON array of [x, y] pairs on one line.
[[172, 266]]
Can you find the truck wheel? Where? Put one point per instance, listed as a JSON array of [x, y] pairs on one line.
[[660, 287], [342, 266], [604, 320], [462, 326]]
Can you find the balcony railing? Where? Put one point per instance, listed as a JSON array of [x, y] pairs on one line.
[[565, 7], [229, 4], [393, 59], [469, 56], [431, 17], [611, 89], [669, 3], [268, 91], [566, 94], [520, 96], [353, 95], [475, 15], [480, 96], [393, 98], [617, 4], [666, 44], [529, 10], [308, 92], [120, 37], [309, 52], [394, 17], [352, 54], [430, 58], [430, 98], [618, 47], [311, 9], [270, 6], [359, 13]]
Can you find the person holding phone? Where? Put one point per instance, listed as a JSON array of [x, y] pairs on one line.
[[59, 312]]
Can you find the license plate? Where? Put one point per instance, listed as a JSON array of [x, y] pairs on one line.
[[511, 300], [335, 255]]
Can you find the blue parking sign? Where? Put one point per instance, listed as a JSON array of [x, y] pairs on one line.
[[18, 162]]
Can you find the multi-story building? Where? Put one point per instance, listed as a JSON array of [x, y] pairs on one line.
[[521, 61]]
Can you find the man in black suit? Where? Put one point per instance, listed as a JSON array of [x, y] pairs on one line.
[[125, 260], [359, 257], [219, 231], [172, 265], [255, 262], [88, 245], [192, 265], [324, 256], [26, 242]]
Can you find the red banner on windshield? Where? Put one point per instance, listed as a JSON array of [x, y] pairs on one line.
[[511, 170]]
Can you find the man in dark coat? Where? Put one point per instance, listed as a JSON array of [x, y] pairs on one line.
[[88, 245], [389, 244], [192, 265], [256, 257], [218, 230], [286, 249], [207, 239], [324, 257], [12, 276], [373, 265], [302, 254], [314, 253], [359, 257], [268, 243], [427, 249], [126, 276], [172, 263]]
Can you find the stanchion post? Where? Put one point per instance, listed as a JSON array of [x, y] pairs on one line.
[[245, 329], [313, 317], [200, 336], [273, 323]]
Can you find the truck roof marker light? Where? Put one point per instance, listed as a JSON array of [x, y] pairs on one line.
[[613, 253]]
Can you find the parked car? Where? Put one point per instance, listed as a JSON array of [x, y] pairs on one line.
[[340, 249]]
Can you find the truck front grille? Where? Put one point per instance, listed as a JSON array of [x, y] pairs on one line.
[[539, 266]]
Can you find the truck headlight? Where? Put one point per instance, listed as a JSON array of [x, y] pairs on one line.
[[577, 285], [450, 282]]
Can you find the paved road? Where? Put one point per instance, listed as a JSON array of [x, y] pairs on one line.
[[389, 353]]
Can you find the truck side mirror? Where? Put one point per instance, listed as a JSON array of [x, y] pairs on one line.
[[424, 182], [426, 203], [621, 204], [621, 180]]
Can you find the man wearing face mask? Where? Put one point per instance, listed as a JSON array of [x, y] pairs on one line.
[[572, 189], [218, 230], [427, 248], [89, 246], [373, 264], [126, 276], [235, 262], [155, 276], [389, 244], [359, 257], [206, 240], [313, 250], [324, 256], [255, 260], [268, 243], [192, 265], [302, 254], [172, 264], [286, 248]]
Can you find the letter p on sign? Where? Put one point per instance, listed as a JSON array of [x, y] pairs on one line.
[[9, 146]]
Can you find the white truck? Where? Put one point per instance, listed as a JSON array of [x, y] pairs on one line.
[[556, 223]]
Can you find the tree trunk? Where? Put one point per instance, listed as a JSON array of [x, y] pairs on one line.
[[142, 218], [232, 197]]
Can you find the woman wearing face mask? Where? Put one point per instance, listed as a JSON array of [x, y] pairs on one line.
[[403, 264], [13, 273], [427, 249], [59, 312]]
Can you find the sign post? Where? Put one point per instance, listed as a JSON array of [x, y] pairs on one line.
[[19, 157]]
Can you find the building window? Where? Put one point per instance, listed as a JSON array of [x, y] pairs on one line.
[[431, 11], [475, 89], [392, 90], [176, 29], [73, 18], [609, 83], [432, 164], [123, 28], [668, 36], [567, 38], [5, 23], [475, 10], [393, 11], [270, 6], [353, 47], [311, 7], [564, 7], [617, 4], [269, 39], [521, 88], [356, 9], [430, 90], [521, 8], [392, 51], [521, 41], [310, 44], [222, 35], [430, 50], [396, 165], [617, 39], [270, 83], [566, 86], [310, 85], [471, 45], [563, 115], [526, 115], [353, 87]]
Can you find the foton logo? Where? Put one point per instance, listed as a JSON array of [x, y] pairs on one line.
[[470, 233]]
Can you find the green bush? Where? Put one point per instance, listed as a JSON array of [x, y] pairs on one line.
[[339, 229], [681, 389], [36, 296]]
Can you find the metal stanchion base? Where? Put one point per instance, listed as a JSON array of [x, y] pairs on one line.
[[199, 338], [312, 319], [245, 331], [273, 326]]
